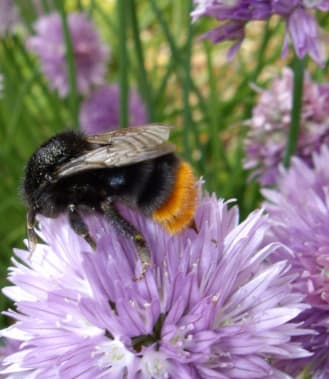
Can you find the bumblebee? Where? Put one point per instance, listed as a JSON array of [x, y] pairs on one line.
[[77, 174]]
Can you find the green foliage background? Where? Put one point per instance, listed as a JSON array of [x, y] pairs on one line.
[[184, 81]]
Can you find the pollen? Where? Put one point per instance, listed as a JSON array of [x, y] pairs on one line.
[[178, 210]]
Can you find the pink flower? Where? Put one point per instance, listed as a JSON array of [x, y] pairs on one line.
[[301, 26], [209, 306], [267, 137], [299, 218], [91, 55], [9, 16], [101, 111]]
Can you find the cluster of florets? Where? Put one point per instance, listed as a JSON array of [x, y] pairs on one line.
[[100, 109], [100, 112], [235, 14], [9, 17], [266, 140], [225, 299], [208, 305], [89, 52], [299, 219]]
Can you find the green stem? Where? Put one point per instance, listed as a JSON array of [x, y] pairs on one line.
[[71, 67], [175, 53], [186, 83], [122, 6], [261, 52], [218, 149], [28, 13], [108, 19], [45, 6], [90, 8], [54, 104], [159, 92], [298, 68], [142, 74], [79, 5]]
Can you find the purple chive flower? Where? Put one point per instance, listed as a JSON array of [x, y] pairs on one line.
[[299, 218], [7, 347], [9, 16], [235, 14], [90, 54], [208, 307], [101, 111], [267, 137]]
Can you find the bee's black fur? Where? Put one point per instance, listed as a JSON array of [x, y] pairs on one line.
[[144, 185], [41, 167]]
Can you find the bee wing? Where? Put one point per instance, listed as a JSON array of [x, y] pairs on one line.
[[141, 135], [122, 147]]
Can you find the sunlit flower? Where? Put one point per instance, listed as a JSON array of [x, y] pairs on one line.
[[101, 111], [267, 137], [301, 26], [7, 347], [208, 305], [90, 54], [9, 16], [299, 218]]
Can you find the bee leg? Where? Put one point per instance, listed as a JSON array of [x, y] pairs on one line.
[[79, 226], [194, 226], [32, 237], [129, 231]]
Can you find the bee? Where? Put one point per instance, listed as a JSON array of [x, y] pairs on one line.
[[79, 174]]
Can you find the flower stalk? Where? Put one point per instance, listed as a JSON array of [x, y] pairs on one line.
[[297, 99], [71, 68], [144, 84], [122, 6]]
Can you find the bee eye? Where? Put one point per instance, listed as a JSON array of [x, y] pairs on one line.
[[117, 181]]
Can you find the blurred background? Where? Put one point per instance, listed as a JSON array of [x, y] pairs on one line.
[[101, 64]]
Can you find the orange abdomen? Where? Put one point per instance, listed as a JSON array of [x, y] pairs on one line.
[[178, 210]]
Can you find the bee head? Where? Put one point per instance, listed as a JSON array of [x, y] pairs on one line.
[[41, 168]]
